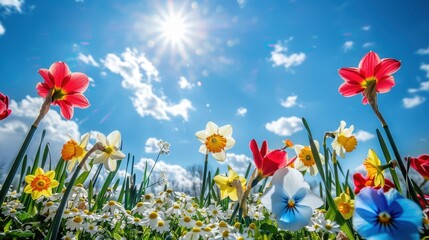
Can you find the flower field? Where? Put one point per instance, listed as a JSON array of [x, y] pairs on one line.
[[272, 200]]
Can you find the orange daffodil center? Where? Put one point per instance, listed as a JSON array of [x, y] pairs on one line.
[[305, 160], [216, 140], [344, 140], [306, 157], [215, 143], [71, 150], [228, 186], [345, 205], [74, 152], [40, 184]]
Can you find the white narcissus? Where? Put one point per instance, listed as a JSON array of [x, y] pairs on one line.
[[305, 160], [344, 140], [216, 140], [111, 152]]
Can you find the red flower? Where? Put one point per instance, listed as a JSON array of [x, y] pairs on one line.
[[421, 165], [371, 70], [4, 107], [268, 162], [67, 88], [362, 182]]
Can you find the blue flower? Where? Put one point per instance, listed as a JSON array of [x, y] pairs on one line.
[[380, 215], [290, 199]]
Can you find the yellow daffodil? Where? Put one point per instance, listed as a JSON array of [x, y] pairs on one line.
[[373, 166], [344, 140], [345, 205], [73, 152], [216, 140], [227, 184], [111, 151], [40, 184]]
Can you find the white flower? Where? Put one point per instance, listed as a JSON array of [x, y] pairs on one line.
[[216, 140], [344, 140], [75, 223], [113, 207], [153, 219], [164, 147], [305, 160], [91, 228], [111, 152], [162, 226], [69, 236], [186, 221], [329, 226]]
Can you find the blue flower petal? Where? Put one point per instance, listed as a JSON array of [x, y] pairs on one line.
[[294, 219]]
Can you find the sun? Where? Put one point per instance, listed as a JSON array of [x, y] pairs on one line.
[[174, 29]]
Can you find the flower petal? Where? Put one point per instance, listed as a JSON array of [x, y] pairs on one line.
[[230, 142], [211, 128], [50, 174], [117, 155], [43, 89], [102, 139], [368, 63], [49, 81], [310, 199], [387, 67], [226, 131], [77, 100], [59, 71], [29, 178], [351, 75], [349, 89], [110, 165], [66, 109], [102, 158], [202, 136], [295, 219], [203, 149], [78, 83], [114, 138], [385, 84], [84, 139], [220, 156], [257, 158]]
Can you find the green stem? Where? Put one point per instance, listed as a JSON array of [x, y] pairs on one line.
[[151, 170], [16, 163], [423, 183], [203, 186]]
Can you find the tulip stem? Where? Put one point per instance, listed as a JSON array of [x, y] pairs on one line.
[[203, 186]]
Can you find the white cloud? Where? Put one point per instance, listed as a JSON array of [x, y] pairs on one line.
[[238, 162], [425, 67], [368, 44], [2, 29], [151, 145], [145, 101], [424, 86], [423, 51], [413, 102], [363, 136], [289, 102], [279, 57], [285, 126], [15, 128], [12, 4], [348, 45], [366, 28], [89, 60], [184, 83], [241, 111], [242, 3]]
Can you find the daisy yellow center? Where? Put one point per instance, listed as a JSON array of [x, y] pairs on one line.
[[111, 203], [161, 223], [50, 203], [306, 157], [384, 218], [187, 219], [252, 226], [108, 149], [159, 201], [153, 215], [215, 212], [196, 229], [349, 143], [215, 143], [78, 219], [176, 206], [13, 211], [199, 223], [136, 219], [237, 225], [147, 197], [225, 234], [169, 191], [222, 224], [328, 226], [40, 183], [207, 229], [240, 238], [91, 227], [139, 204], [344, 208]]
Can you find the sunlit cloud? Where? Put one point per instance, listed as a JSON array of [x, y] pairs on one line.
[[2, 29], [423, 51], [130, 66], [241, 111], [413, 102], [151, 145], [87, 59], [11, 5], [184, 83], [285, 126], [424, 86], [368, 44], [242, 3], [364, 136], [347, 46], [280, 58], [238, 162], [366, 28], [425, 67], [289, 102]]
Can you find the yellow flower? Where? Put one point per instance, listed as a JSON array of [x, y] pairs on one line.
[[226, 184], [73, 152], [216, 140], [345, 205], [344, 140], [40, 184], [372, 165]]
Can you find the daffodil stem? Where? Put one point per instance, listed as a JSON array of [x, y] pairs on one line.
[[203, 186], [237, 206], [53, 231]]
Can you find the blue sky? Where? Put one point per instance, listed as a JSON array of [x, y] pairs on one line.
[[162, 69]]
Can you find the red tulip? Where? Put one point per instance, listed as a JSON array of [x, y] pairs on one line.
[[421, 165], [267, 162], [67, 88], [371, 71], [361, 182], [4, 107]]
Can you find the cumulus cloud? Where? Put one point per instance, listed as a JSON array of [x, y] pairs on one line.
[[348, 45], [242, 3], [151, 145], [366, 27], [423, 51], [2, 29], [424, 86], [280, 58], [425, 67], [413, 102], [238, 162], [88, 60], [184, 83], [285, 126], [368, 44], [289, 102], [363, 136], [130, 66], [241, 111], [11, 5]]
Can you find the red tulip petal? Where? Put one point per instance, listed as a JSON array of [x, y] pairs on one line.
[[66, 109], [43, 89], [264, 148], [386, 67], [364, 100], [78, 83], [5, 114], [368, 63], [351, 75], [49, 78], [385, 84], [349, 89], [59, 70], [257, 158], [77, 100], [2, 107]]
